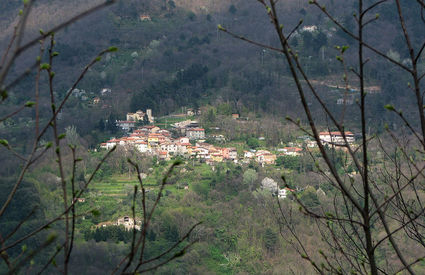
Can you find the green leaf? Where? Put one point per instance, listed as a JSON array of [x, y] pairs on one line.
[[57, 150], [389, 107], [29, 104], [98, 58], [24, 248], [61, 136], [55, 54], [4, 142], [220, 27], [269, 10], [51, 237], [49, 144], [344, 48], [112, 49], [45, 66]]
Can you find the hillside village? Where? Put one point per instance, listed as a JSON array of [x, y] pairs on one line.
[[187, 139]]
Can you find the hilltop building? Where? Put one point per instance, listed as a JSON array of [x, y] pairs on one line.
[[139, 115]]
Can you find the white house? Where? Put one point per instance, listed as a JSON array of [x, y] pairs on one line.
[[195, 133], [233, 153], [128, 223], [336, 138], [142, 146], [345, 101], [105, 91], [312, 28], [126, 125], [201, 152], [292, 151], [283, 193], [111, 143], [248, 154], [169, 147], [184, 140]]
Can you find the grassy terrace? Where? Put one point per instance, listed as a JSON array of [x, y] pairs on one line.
[[166, 121]]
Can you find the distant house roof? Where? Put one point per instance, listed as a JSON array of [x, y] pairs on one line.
[[293, 149]]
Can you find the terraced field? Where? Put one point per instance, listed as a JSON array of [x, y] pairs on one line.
[[117, 187]]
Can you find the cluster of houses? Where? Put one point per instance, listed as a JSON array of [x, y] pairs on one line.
[[152, 140], [261, 156], [155, 141], [126, 221], [158, 142]]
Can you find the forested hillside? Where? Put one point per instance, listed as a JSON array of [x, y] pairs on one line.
[[177, 58], [274, 177]]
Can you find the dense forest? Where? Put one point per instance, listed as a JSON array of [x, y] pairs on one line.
[[171, 56]]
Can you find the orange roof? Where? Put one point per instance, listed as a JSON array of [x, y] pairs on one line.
[[141, 142], [296, 149], [195, 129]]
